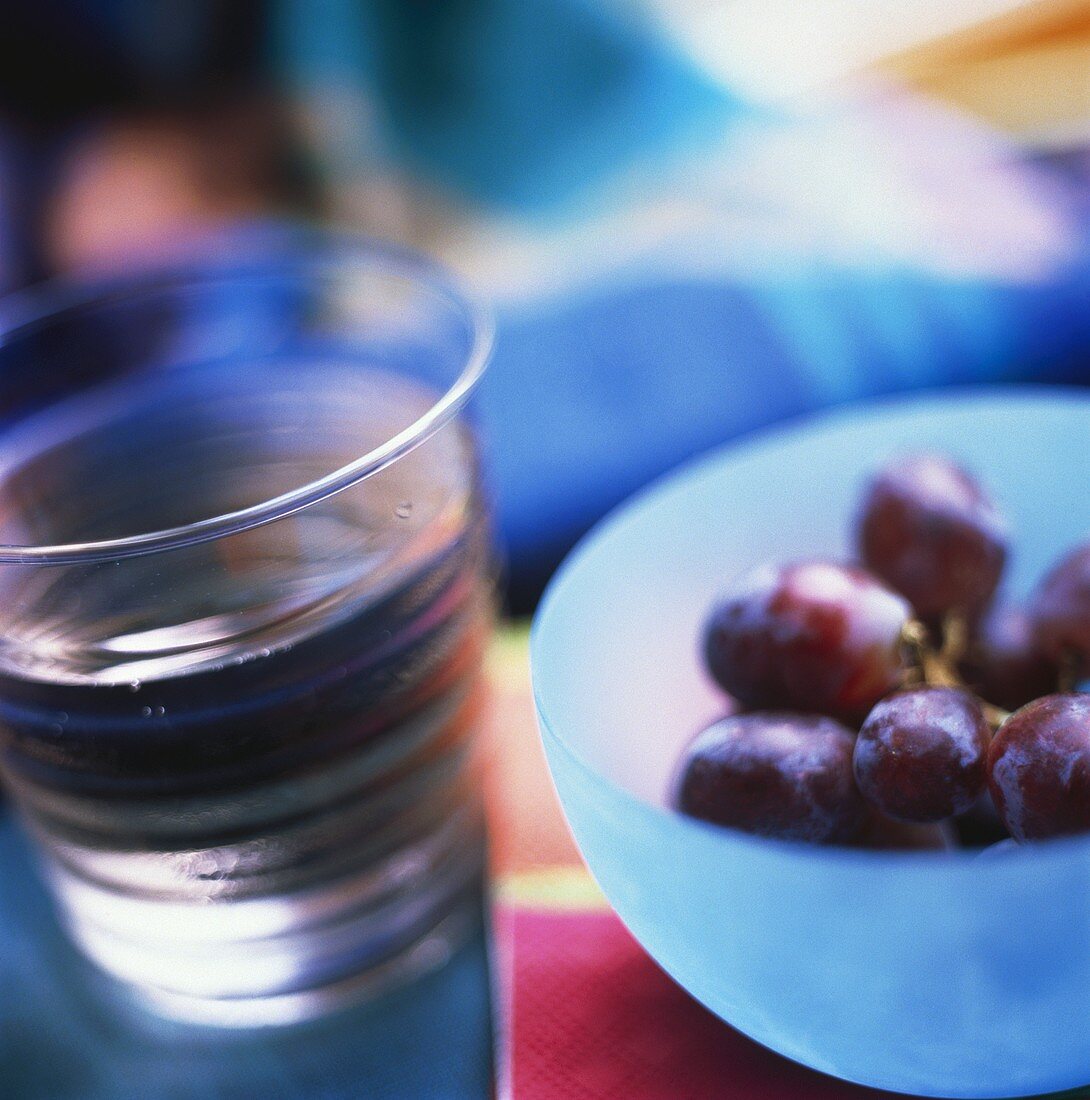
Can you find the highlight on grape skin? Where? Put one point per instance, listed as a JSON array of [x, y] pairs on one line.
[[774, 774], [920, 755], [1039, 768], [928, 529], [816, 637]]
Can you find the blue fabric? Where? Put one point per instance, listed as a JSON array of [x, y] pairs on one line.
[[65, 1034], [590, 398]]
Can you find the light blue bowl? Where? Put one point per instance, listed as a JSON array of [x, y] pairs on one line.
[[932, 973]]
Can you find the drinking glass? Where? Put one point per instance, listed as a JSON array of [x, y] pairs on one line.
[[245, 587]]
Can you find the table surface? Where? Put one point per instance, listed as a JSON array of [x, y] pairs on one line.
[[67, 1033]]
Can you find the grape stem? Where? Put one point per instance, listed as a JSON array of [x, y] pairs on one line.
[[993, 715], [926, 666], [955, 639], [929, 667]]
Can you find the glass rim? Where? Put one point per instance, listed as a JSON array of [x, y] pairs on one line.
[[45, 302]]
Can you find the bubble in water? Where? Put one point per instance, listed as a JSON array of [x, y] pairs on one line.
[[160, 711], [146, 711], [134, 685], [404, 509], [266, 653]]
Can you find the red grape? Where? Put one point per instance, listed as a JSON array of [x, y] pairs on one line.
[[813, 636], [1005, 664], [1060, 609], [775, 774], [1039, 767], [929, 530], [921, 754]]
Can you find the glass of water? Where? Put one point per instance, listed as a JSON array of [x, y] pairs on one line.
[[245, 587]]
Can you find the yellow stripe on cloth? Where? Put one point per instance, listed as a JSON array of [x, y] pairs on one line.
[[556, 889]]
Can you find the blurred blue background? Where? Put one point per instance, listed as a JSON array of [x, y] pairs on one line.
[[676, 257]]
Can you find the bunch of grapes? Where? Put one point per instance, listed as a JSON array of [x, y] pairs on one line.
[[871, 703]]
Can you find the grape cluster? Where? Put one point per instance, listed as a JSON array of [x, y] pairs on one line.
[[871, 702]]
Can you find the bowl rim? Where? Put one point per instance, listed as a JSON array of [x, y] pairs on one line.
[[956, 860]]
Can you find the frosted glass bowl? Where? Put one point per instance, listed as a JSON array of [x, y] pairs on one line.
[[934, 973]]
